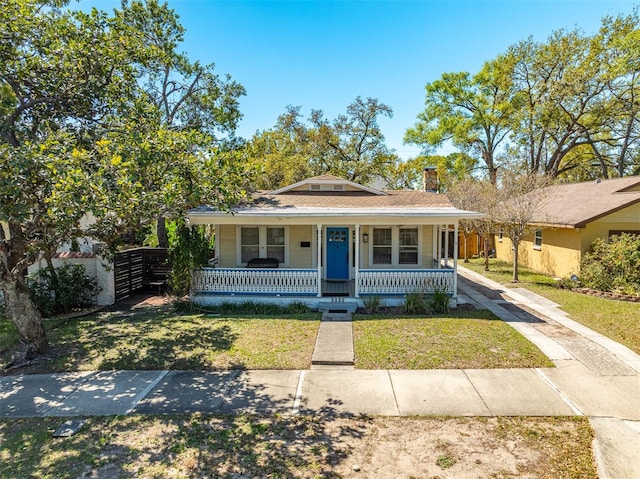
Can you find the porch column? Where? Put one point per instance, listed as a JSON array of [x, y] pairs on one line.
[[434, 244], [216, 237], [439, 248], [319, 228], [446, 245], [455, 260], [357, 263]]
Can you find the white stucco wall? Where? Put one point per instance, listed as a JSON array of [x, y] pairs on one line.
[[96, 268]]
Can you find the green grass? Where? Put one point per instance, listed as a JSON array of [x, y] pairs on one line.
[[163, 339], [464, 339], [618, 320], [502, 272], [295, 446]]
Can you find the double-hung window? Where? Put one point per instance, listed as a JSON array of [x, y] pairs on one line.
[[382, 245], [408, 246], [537, 239], [250, 243], [275, 243], [395, 246], [262, 242]]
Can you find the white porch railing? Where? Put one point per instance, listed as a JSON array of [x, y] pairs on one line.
[[255, 281], [381, 281]]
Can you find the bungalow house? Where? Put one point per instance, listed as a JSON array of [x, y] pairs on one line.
[[571, 218], [327, 237]]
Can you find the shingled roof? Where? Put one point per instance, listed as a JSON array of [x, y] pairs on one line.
[[576, 204], [349, 199], [328, 195]]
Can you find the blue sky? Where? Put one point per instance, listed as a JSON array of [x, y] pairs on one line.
[[322, 54]]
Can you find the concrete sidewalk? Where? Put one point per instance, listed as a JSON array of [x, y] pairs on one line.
[[496, 392]]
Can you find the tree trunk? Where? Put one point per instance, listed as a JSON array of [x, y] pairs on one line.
[[516, 248], [465, 237], [485, 241], [161, 231], [21, 310]]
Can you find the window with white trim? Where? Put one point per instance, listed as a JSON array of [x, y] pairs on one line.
[[395, 245], [537, 239], [249, 243], [275, 243], [408, 246], [382, 245], [261, 242]]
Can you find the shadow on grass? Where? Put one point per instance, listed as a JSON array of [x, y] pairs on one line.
[[153, 339], [156, 337]]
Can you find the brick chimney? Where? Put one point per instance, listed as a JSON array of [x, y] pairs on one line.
[[430, 179]]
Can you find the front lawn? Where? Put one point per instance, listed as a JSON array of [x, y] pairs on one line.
[[618, 320], [462, 340], [159, 338]]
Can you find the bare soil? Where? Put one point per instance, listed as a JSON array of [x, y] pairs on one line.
[[306, 447]]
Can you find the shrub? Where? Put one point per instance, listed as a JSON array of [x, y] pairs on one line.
[[255, 308], [440, 301], [372, 304], [568, 283], [297, 307], [415, 303], [189, 248], [613, 264], [70, 289]]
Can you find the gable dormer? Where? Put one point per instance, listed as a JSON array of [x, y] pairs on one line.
[[326, 184]]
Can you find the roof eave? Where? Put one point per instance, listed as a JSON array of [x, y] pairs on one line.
[[444, 213]]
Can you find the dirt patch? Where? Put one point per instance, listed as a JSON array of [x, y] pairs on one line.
[[555, 330], [306, 447]]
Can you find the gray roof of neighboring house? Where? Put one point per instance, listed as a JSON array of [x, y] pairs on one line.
[[576, 204]]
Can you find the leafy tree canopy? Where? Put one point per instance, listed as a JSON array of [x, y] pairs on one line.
[[351, 146], [101, 116], [569, 103]]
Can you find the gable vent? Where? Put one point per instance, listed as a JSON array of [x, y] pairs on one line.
[[322, 187]]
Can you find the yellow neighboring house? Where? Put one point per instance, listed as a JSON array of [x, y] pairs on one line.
[[571, 218]]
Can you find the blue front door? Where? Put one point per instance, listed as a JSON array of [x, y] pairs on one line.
[[337, 253]]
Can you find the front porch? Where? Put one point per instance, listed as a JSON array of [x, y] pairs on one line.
[[327, 237], [216, 285]]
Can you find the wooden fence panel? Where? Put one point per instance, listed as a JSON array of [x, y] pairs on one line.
[[128, 273]]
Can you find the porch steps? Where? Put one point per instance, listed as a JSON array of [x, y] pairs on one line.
[[336, 315], [337, 309], [334, 345]]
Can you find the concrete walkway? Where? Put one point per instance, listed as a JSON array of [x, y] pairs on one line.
[[334, 345], [597, 376], [594, 376]]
